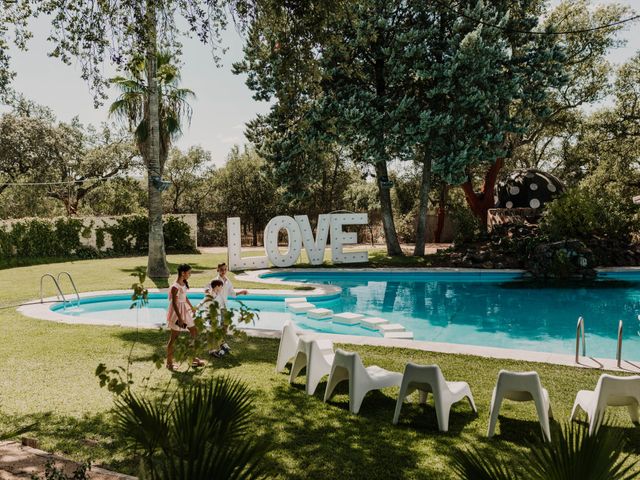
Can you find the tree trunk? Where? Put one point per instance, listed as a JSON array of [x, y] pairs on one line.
[[481, 202], [157, 262], [441, 211], [255, 234], [423, 207], [390, 235]]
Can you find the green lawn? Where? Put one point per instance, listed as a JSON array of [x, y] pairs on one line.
[[46, 375]]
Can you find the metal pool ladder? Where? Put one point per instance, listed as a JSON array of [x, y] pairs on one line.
[[56, 282], [580, 331], [619, 349]]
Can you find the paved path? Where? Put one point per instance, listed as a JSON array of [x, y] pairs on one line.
[[20, 462]]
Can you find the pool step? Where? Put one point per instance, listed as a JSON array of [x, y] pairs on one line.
[[373, 323], [291, 300], [320, 313], [391, 327], [399, 335], [347, 318], [301, 307]]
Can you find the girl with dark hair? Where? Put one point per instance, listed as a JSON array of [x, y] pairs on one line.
[[180, 314]]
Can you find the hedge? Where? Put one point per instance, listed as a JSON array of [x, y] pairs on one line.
[[35, 238]]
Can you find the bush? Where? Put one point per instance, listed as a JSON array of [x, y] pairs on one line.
[[129, 235], [177, 236], [587, 214], [469, 228], [36, 238]]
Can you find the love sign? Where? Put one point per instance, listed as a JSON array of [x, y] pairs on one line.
[[299, 235]]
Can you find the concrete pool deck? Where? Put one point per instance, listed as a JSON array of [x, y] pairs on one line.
[[42, 311]]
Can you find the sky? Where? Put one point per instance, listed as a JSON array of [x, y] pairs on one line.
[[223, 103]]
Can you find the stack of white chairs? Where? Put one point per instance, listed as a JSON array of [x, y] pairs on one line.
[[288, 345], [316, 356]]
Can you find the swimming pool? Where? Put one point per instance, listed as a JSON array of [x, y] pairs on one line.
[[492, 309], [271, 314], [495, 309]]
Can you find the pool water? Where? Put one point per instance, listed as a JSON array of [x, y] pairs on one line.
[[270, 310], [496, 310], [486, 309]]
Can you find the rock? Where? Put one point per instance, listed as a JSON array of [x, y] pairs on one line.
[[563, 259]]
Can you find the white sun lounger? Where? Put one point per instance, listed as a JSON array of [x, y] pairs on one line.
[[347, 366], [429, 378], [320, 313], [317, 357], [520, 387], [611, 391], [373, 323], [301, 307], [347, 318]]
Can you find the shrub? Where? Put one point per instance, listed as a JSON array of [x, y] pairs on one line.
[[177, 236], [586, 214], [128, 235], [36, 238], [469, 228]]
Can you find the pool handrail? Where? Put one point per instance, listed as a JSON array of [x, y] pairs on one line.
[[73, 284], [580, 330], [55, 282], [619, 348]]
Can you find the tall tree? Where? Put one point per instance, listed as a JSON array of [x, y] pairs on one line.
[[189, 172], [557, 73], [94, 32], [244, 188], [131, 107], [82, 160], [14, 16], [327, 66]]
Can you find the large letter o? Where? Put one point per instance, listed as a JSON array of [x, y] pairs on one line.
[[294, 239]]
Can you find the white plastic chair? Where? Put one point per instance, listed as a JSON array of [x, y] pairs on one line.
[[348, 366], [288, 345], [429, 378], [610, 391], [317, 357], [521, 387]]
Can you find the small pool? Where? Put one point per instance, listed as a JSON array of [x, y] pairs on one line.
[[492, 309], [115, 309]]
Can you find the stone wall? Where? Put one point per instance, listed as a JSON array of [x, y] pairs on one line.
[[88, 238]]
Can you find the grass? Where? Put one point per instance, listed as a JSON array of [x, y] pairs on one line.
[[47, 375]]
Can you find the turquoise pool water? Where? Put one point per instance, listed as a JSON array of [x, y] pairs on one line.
[[496, 309], [488, 309]]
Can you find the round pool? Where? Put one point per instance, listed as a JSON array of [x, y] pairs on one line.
[[270, 309]]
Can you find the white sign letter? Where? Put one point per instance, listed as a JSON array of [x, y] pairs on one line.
[[314, 248], [294, 240], [340, 238], [236, 262]]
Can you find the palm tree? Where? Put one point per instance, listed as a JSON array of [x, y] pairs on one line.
[[133, 106], [571, 454], [201, 433]]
